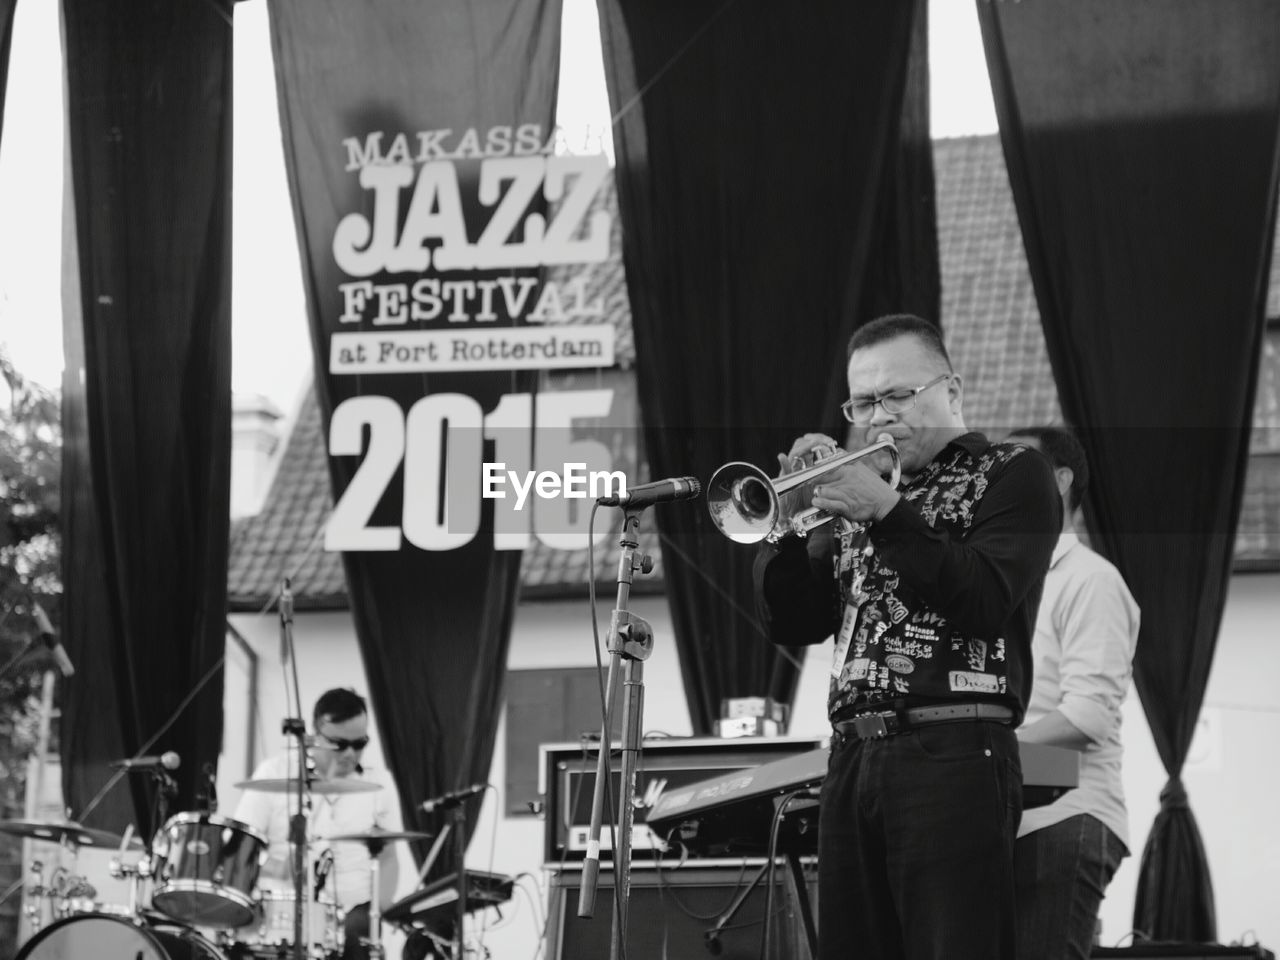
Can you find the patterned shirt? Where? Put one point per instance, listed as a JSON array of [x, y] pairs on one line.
[[938, 599]]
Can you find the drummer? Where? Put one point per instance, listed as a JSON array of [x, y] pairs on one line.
[[341, 727]]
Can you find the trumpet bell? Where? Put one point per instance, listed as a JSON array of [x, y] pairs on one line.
[[742, 502], [747, 506]]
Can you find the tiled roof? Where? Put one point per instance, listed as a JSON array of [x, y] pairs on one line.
[[993, 332], [989, 315]]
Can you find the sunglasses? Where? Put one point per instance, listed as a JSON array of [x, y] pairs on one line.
[[339, 744]]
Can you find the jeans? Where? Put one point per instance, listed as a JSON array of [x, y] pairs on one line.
[[1062, 872], [915, 845]]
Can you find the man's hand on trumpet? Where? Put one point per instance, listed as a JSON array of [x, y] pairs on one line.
[[801, 453], [854, 491]]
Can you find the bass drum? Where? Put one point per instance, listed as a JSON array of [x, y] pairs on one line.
[[115, 938]]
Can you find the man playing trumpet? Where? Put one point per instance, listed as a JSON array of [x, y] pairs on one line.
[[931, 593]]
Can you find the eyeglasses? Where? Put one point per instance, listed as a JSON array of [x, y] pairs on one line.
[[860, 409], [339, 744]]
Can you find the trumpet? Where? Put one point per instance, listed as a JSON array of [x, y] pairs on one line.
[[747, 506]]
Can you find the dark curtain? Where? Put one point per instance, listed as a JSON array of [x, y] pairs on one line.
[[6, 39], [147, 425], [902, 272], [1141, 145], [433, 626], [776, 191]]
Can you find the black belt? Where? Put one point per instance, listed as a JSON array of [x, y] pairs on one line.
[[886, 723]]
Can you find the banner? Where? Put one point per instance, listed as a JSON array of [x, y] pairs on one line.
[[430, 198], [776, 186], [147, 397], [1141, 143]]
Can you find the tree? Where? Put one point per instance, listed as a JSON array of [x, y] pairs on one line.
[[30, 572]]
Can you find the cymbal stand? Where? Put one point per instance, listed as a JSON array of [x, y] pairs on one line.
[[294, 726], [374, 940], [630, 640], [135, 872]]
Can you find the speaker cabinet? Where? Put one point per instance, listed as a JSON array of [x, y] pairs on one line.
[[673, 914]]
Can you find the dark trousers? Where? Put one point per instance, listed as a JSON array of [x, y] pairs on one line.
[[355, 926], [916, 845], [1062, 872]]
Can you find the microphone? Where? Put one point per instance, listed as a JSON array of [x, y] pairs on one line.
[[165, 761], [453, 798], [50, 639], [656, 491]]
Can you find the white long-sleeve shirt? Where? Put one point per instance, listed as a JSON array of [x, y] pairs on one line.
[[1082, 652]]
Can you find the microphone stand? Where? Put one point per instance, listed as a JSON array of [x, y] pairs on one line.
[[630, 640], [295, 727], [454, 831]]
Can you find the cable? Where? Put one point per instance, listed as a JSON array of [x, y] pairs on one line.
[[493, 850], [774, 829], [539, 916], [1135, 934], [639, 94], [668, 543], [714, 915], [173, 717], [606, 728]]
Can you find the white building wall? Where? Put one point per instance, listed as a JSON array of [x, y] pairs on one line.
[[1231, 775]]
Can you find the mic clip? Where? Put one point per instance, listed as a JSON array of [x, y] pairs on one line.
[[630, 636]]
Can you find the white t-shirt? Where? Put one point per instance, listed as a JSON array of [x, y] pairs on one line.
[[1082, 652], [331, 816]]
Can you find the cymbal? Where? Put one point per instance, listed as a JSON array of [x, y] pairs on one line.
[[60, 831], [322, 787], [382, 836]]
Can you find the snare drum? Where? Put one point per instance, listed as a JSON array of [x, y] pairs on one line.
[[272, 935], [207, 868], [91, 935]]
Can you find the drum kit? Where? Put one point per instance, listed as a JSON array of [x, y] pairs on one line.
[[194, 892], [194, 895]]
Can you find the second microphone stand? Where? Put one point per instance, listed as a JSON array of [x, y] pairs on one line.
[[630, 643]]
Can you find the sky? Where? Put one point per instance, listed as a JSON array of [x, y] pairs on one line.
[[270, 349]]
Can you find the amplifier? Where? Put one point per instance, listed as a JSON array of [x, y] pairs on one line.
[[567, 777], [674, 913]]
